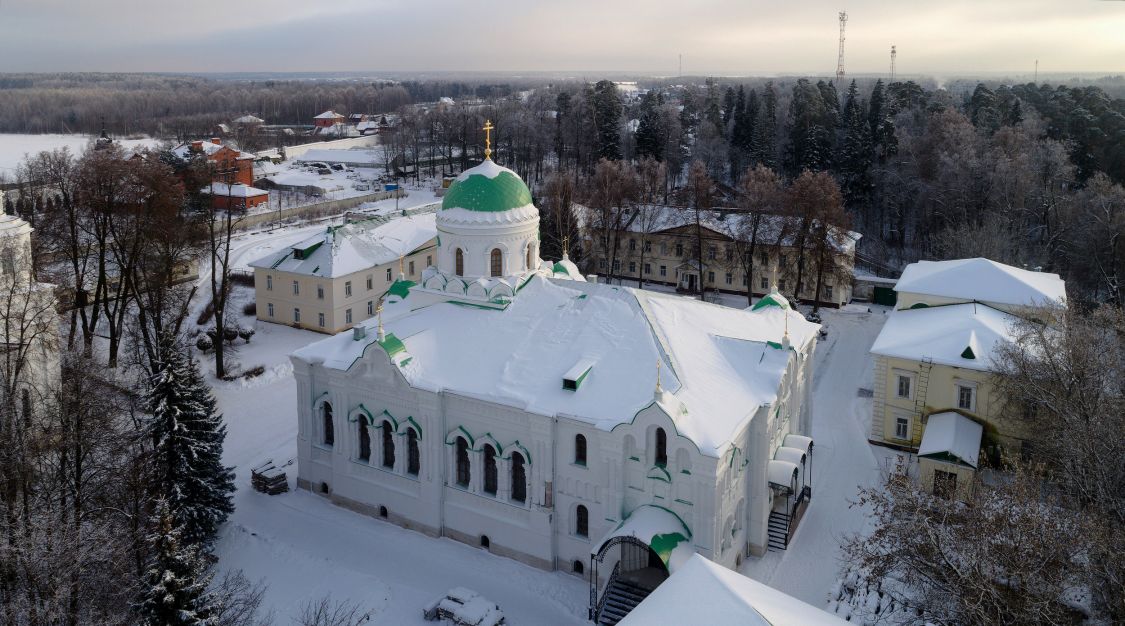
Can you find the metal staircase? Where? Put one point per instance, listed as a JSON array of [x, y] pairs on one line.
[[621, 597], [778, 530]]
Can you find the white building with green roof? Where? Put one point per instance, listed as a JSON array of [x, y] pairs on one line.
[[503, 401]]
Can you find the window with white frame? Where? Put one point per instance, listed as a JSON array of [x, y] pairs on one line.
[[648, 268], [296, 288], [730, 278], [269, 309], [320, 292], [370, 282], [663, 270], [904, 386], [388, 274], [828, 291], [966, 395], [370, 307], [348, 289], [763, 283], [269, 283], [632, 267], [902, 428], [320, 319], [348, 316], [297, 315]]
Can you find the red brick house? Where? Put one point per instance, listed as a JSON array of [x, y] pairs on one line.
[[329, 119], [230, 165], [237, 197]]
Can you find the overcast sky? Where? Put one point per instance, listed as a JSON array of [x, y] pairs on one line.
[[732, 37]]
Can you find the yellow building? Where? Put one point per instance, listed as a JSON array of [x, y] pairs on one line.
[[659, 245], [936, 356], [336, 278]]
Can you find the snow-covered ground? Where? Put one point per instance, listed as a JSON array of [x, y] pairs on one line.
[[842, 459], [14, 148]]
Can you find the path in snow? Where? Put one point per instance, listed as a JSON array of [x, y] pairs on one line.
[[842, 459]]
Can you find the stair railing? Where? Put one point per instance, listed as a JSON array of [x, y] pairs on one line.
[[605, 596]]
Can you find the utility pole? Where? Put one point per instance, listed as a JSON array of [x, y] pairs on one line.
[[840, 59], [894, 53]]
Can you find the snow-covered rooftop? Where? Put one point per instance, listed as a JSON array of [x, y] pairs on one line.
[[954, 434], [350, 157], [238, 190], [982, 280], [771, 228], [962, 335], [719, 364], [248, 119], [353, 247], [328, 115], [704, 592], [185, 151]]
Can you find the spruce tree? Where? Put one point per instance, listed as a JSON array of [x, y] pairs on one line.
[[187, 435], [855, 153], [651, 135], [606, 109], [175, 592], [762, 135]]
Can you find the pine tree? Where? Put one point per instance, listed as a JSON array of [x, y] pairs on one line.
[[606, 109], [176, 583], [855, 153], [762, 135], [650, 130], [187, 435]]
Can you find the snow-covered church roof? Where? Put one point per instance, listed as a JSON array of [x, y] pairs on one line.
[[352, 247], [718, 364], [487, 188], [704, 592], [982, 280]]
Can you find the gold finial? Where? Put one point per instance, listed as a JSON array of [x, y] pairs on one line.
[[488, 138], [566, 246], [379, 314], [658, 388], [773, 278], [401, 269]]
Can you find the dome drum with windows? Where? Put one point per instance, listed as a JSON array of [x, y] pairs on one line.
[[488, 226]]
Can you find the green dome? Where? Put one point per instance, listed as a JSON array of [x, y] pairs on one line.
[[487, 188]]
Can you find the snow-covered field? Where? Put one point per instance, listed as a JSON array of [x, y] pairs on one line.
[[15, 147], [304, 547]]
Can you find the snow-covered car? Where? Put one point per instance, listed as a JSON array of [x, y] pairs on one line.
[[362, 187], [464, 607]]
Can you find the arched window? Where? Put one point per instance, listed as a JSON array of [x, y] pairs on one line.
[[364, 441], [462, 462], [459, 262], [580, 450], [582, 521], [661, 447], [578, 567], [497, 262], [485, 542], [413, 458], [489, 469], [519, 478], [388, 446], [326, 417], [528, 256]]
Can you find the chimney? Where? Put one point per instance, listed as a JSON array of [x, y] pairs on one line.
[[197, 146], [215, 140]]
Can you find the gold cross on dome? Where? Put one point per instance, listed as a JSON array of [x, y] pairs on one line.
[[488, 138]]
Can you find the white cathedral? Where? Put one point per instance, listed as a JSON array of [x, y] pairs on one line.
[[508, 403]]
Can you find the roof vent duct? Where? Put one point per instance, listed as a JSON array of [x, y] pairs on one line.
[[573, 378]]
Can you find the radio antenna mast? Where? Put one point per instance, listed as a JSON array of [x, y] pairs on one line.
[[840, 59]]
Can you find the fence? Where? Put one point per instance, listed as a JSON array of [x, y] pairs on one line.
[[317, 209]]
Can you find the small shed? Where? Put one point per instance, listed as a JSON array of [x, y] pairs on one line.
[[949, 453]]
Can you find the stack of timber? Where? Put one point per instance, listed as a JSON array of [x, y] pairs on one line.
[[269, 478]]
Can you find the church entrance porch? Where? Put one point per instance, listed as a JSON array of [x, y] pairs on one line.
[[634, 559]]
